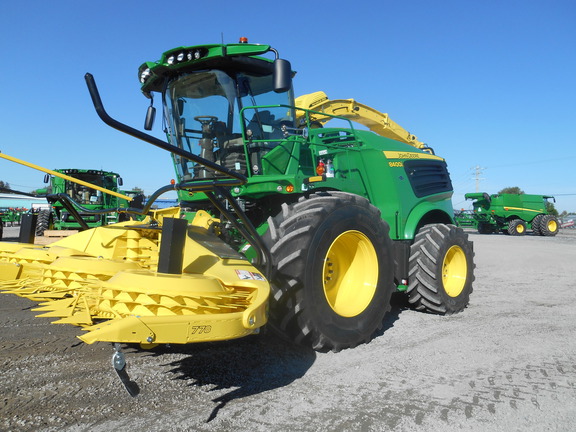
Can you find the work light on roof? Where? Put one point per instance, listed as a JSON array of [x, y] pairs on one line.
[[144, 75], [186, 55]]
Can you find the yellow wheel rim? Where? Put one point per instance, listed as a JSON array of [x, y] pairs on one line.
[[350, 273], [520, 228], [552, 225], [454, 271]]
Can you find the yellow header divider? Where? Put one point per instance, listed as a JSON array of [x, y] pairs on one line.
[[64, 176]]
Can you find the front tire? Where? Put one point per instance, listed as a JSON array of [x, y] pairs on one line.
[[549, 226], [44, 222], [332, 271], [441, 270], [517, 227], [536, 224]]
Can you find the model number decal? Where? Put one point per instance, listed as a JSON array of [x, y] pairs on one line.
[[396, 164], [200, 329]]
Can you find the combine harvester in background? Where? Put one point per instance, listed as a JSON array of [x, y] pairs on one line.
[[512, 214]]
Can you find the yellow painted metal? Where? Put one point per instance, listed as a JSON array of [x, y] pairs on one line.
[[350, 273], [105, 280], [552, 225], [410, 155], [454, 271], [64, 176], [520, 228], [375, 120], [523, 209]]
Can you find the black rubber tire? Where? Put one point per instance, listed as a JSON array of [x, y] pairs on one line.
[[426, 289], [549, 225], [299, 238], [517, 227], [485, 228], [43, 222], [536, 223]]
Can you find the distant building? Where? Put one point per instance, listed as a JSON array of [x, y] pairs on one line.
[[22, 201]]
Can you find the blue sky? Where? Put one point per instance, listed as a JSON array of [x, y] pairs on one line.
[[487, 84]]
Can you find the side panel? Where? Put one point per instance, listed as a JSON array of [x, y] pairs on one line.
[[409, 186], [512, 206]]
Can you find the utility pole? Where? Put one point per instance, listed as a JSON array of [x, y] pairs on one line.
[[477, 173]]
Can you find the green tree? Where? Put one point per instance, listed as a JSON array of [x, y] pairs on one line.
[[511, 190], [551, 209], [4, 184]]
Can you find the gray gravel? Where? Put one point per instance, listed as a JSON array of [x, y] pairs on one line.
[[507, 363]]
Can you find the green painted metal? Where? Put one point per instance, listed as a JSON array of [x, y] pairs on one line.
[[11, 216]]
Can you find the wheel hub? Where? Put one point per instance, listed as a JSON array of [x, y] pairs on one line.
[[350, 273], [454, 271]]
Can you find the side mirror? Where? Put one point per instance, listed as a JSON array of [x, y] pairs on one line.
[[150, 115], [282, 75], [46, 178], [120, 181]]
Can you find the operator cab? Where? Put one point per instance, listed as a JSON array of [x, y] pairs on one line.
[[230, 117]]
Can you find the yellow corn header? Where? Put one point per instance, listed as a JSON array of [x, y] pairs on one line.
[[110, 282]]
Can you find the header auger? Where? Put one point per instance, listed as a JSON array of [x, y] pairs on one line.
[[282, 220]]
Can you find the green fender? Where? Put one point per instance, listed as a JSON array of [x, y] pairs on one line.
[[426, 213]]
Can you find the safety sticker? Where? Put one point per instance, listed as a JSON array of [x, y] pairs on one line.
[[248, 275]]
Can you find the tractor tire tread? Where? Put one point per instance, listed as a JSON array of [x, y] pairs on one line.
[[425, 289]]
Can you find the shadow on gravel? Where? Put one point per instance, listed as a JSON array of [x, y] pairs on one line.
[[249, 365], [398, 303]]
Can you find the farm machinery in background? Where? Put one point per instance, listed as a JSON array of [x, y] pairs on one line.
[[11, 216], [282, 219], [88, 202], [513, 214]]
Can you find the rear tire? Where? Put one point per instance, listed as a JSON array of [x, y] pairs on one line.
[[549, 226], [517, 227], [332, 271], [441, 270]]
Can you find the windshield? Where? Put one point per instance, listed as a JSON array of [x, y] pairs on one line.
[[202, 113], [86, 195]]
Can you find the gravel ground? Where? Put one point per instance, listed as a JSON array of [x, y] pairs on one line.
[[507, 363]]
